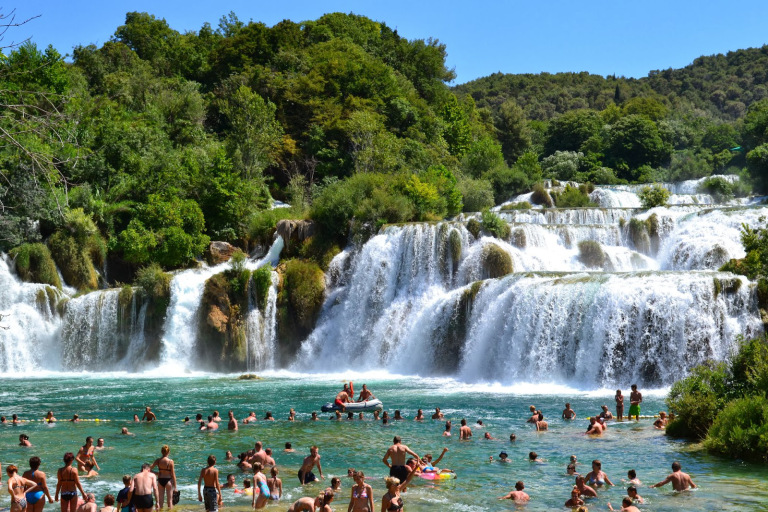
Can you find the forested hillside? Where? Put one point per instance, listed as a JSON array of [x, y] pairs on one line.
[[145, 149]]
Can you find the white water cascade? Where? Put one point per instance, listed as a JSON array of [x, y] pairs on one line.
[[413, 300]]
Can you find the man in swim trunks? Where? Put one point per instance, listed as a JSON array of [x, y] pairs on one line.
[[143, 489], [365, 395], [149, 415], [341, 399], [635, 399], [209, 475], [305, 472], [568, 413], [680, 481], [259, 455], [464, 432], [397, 453]]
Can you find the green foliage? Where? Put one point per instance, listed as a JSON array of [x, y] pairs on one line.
[[496, 262], [482, 156], [262, 224], [572, 197], [562, 165], [34, 264], [757, 163], [154, 282], [512, 130], [635, 141], [697, 399], [302, 291], [570, 131], [591, 254], [73, 260], [653, 196], [755, 241], [262, 282], [740, 430], [720, 188], [522, 205], [474, 227], [495, 225], [477, 195]]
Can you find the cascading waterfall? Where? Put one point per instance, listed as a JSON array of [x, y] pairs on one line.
[[261, 331], [91, 337]]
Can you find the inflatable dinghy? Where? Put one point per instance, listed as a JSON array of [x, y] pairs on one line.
[[368, 405]]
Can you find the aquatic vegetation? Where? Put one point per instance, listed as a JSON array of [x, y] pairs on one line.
[[34, 264], [541, 196], [591, 254], [496, 261]]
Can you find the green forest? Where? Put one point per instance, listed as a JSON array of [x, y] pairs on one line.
[[138, 153]]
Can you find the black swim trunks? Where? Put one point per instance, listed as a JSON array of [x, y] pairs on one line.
[[399, 472], [307, 477], [141, 501]]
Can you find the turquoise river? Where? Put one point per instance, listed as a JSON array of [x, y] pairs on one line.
[[114, 398]]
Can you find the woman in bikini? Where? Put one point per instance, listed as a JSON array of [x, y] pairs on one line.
[[392, 501], [275, 485], [18, 487], [597, 476], [166, 478], [35, 499], [68, 483], [362, 495], [85, 455]]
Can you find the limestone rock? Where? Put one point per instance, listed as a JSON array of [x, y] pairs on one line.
[[219, 252]]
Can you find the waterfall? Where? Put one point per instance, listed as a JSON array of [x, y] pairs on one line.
[[91, 337], [261, 331]]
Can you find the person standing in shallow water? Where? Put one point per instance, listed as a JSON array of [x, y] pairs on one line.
[[635, 399], [619, 405], [36, 499], [166, 478]]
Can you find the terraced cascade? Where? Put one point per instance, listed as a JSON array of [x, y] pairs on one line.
[[597, 297]]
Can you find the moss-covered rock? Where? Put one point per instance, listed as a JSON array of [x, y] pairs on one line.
[[496, 262], [74, 261], [261, 282], [454, 246], [638, 233], [591, 254], [301, 294], [474, 227], [541, 196], [47, 298], [522, 205], [34, 264], [518, 238], [451, 341]]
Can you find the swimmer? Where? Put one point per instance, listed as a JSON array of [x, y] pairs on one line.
[[534, 457], [149, 415], [143, 489], [594, 428], [488, 436], [597, 476], [15, 419], [335, 484], [216, 416], [232, 422], [398, 416], [251, 418], [268, 416], [67, 484], [89, 504], [268, 460], [534, 415], [419, 415], [429, 465], [305, 472], [632, 478], [518, 494], [244, 465], [261, 498], [314, 416], [259, 455], [438, 415], [230, 484], [504, 457], [464, 432], [76, 419], [124, 432], [584, 489], [228, 455], [479, 424], [376, 415], [275, 485], [605, 413], [392, 499], [337, 416], [626, 505], [512, 438], [211, 491], [661, 421], [447, 431], [680, 481], [619, 405], [632, 493], [100, 444], [166, 476], [24, 440], [291, 415], [361, 498], [575, 500], [571, 469], [211, 425], [136, 418], [289, 448], [36, 499], [568, 413], [350, 416], [49, 418], [89, 472], [109, 504], [86, 455], [541, 425], [397, 453], [360, 417]]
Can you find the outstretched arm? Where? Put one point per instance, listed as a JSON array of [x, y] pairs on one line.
[[435, 463], [663, 482]]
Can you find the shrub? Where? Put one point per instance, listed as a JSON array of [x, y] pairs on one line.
[[562, 165], [474, 227], [591, 253], [653, 196], [541, 196], [697, 399], [34, 264], [155, 283], [478, 194], [72, 260], [496, 262], [572, 197], [718, 187], [522, 205], [741, 429], [495, 225], [303, 291], [262, 282], [507, 182]]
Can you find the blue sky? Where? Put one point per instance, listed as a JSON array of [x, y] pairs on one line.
[[482, 37]]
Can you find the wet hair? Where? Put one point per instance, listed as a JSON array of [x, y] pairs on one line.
[[126, 480], [350, 415], [626, 501], [631, 474], [360, 474], [575, 491], [327, 496], [512, 437], [210, 418], [186, 419], [69, 457], [634, 386], [145, 466], [34, 463], [597, 463], [246, 483], [199, 417], [335, 482], [567, 404], [274, 471], [479, 422], [631, 488], [88, 439], [268, 451], [165, 450], [211, 460], [520, 485], [288, 445], [541, 417], [385, 421], [268, 415], [23, 437], [533, 456], [215, 413], [230, 476], [396, 440], [257, 446], [571, 467], [676, 466], [109, 500], [11, 469]]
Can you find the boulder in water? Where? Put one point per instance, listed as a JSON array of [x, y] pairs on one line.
[[496, 261], [219, 252], [295, 231], [591, 254], [34, 264]]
